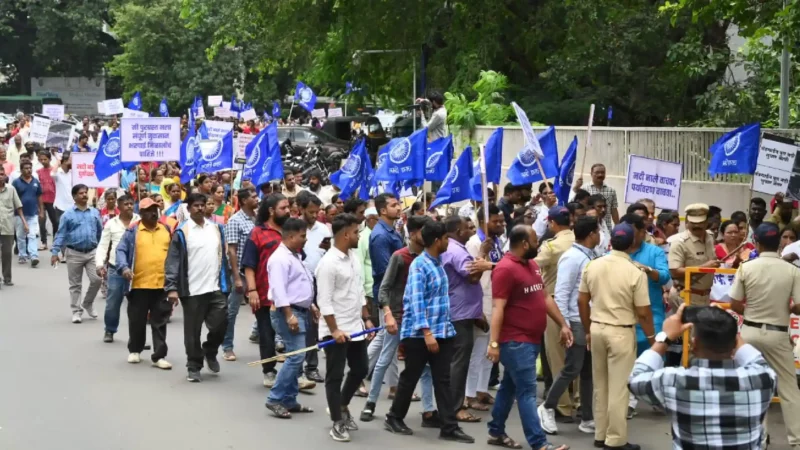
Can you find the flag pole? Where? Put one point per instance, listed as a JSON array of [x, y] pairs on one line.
[[290, 112], [588, 144], [485, 191], [345, 106]]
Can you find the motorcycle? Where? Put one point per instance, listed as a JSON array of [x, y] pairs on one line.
[[312, 159]]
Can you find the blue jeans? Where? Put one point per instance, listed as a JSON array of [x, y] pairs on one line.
[[519, 381], [28, 243], [285, 390], [234, 301], [114, 295]]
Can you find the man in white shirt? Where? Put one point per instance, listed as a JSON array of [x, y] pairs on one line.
[[106, 254], [197, 274], [324, 193], [597, 209], [342, 304], [437, 122], [63, 181]]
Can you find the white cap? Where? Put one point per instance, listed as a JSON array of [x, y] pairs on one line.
[[371, 212]]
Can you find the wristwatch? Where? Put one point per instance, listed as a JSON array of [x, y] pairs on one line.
[[494, 344], [662, 337]]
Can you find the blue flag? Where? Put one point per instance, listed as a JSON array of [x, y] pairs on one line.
[[438, 155], [272, 168], [163, 109], [276, 110], [494, 156], [136, 102], [563, 181], [351, 176], [736, 151], [524, 169], [190, 152], [217, 156], [365, 189], [256, 154], [107, 159], [348, 87], [405, 160], [476, 193], [456, 186], [305, 96], [267, 118]]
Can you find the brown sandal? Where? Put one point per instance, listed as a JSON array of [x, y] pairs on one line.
[[475, 404], [503, 441], [468, 417]]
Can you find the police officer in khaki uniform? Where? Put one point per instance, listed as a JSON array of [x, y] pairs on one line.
[[693, 248], [550, 252], [768, 283], [617, 289]]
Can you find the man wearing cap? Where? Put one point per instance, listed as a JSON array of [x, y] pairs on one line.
[[769, 284], [371, 218], [558, 221], [694, 248], [616, 308]]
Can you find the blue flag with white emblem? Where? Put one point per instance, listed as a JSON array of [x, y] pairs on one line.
[[163, 109], [524, 169], [190, 152], [405, 160], [256, 153], [136, 102], [276, 110], [736, 151], [351, 176], [305, 96], [476, 193], [216, 155], [273, 165], [456, 186], [563, 181], [438, 155], [365, 189], [494, 156], [107, 159]]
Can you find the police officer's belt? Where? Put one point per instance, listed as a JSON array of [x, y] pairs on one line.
[[766, 326], [612, 325]]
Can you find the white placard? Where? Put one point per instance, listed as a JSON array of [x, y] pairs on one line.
[[221, 112], [113, 107], [250, 114], [334, 112], [60, 134], [214, 100], [241, 143], [133, 114], [150, 139], [40, 127], [774, 165], [657, 180], [83, 172], [55, 112], [199, 113], [226, 105], [217, 129], [101, 109], [318, 113]]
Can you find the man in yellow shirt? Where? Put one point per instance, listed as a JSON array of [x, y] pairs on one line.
[[141, 255]]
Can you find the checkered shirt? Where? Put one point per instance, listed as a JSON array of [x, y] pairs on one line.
[[712, 404], [426, 303], [611, 200], [237, 231]]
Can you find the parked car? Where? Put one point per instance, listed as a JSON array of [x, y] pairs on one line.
[[405, 126], [351, 127]]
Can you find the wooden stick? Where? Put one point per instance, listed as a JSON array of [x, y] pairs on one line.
[[485, 191], [734, 251], [588, 144]]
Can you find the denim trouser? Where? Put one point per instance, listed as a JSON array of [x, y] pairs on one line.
[[234, 301], [116, 290], [388, 354], [286, 388], [519, 381], [28, 244]]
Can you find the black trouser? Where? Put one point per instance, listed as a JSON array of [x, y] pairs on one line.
[[417, 355], [547, 374], [140, 303], [53, 215], [6, 252], [354, 353], [266, 339], [459, 367], [211, 308], [494, 375]]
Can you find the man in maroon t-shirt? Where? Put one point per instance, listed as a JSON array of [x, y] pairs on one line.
[[519, 317]]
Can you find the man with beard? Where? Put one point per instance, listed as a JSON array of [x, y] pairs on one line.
[[324, 193], [758, 210], [290, 187]]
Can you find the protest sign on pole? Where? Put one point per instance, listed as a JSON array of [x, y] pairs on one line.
[[83, 172], [55, 112], [217, 129], [40, 128], [250, 114], [150, 139], [318, 113], [59, 134], [112, 107], [774, 166], [657, 180], [133, 114], [214, 100], [241, 143], [335, 112], [221, 112]]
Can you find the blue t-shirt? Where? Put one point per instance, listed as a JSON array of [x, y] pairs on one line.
[[29, 194]]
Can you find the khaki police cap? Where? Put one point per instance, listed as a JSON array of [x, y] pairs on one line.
[[696, 212]]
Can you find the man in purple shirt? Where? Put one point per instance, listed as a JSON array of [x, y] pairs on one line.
[[466, 307]]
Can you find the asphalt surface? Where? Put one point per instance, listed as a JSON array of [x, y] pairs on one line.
[[61, 387]]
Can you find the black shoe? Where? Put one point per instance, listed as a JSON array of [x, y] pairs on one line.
[[397, 426], [368, 413], [213, 364], [561, 418], [599, 444], [314, 375], [254, 338], [457, 435], [8, 283], [108, 337], [194, 376], [34, 262], [431, 421], [627, 446]]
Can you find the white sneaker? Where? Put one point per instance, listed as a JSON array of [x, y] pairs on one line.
[[90, 311], [547, 417], [161, 364], [76, 318], [305, 384], [586, 426], [134, 358], [269, 379]]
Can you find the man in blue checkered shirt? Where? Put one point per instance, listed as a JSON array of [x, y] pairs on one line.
[[427, 334], [720, 401]]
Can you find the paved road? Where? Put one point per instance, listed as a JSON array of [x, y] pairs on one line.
[[61, 387]]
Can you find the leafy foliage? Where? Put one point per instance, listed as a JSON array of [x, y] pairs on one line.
[[488, 108]]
